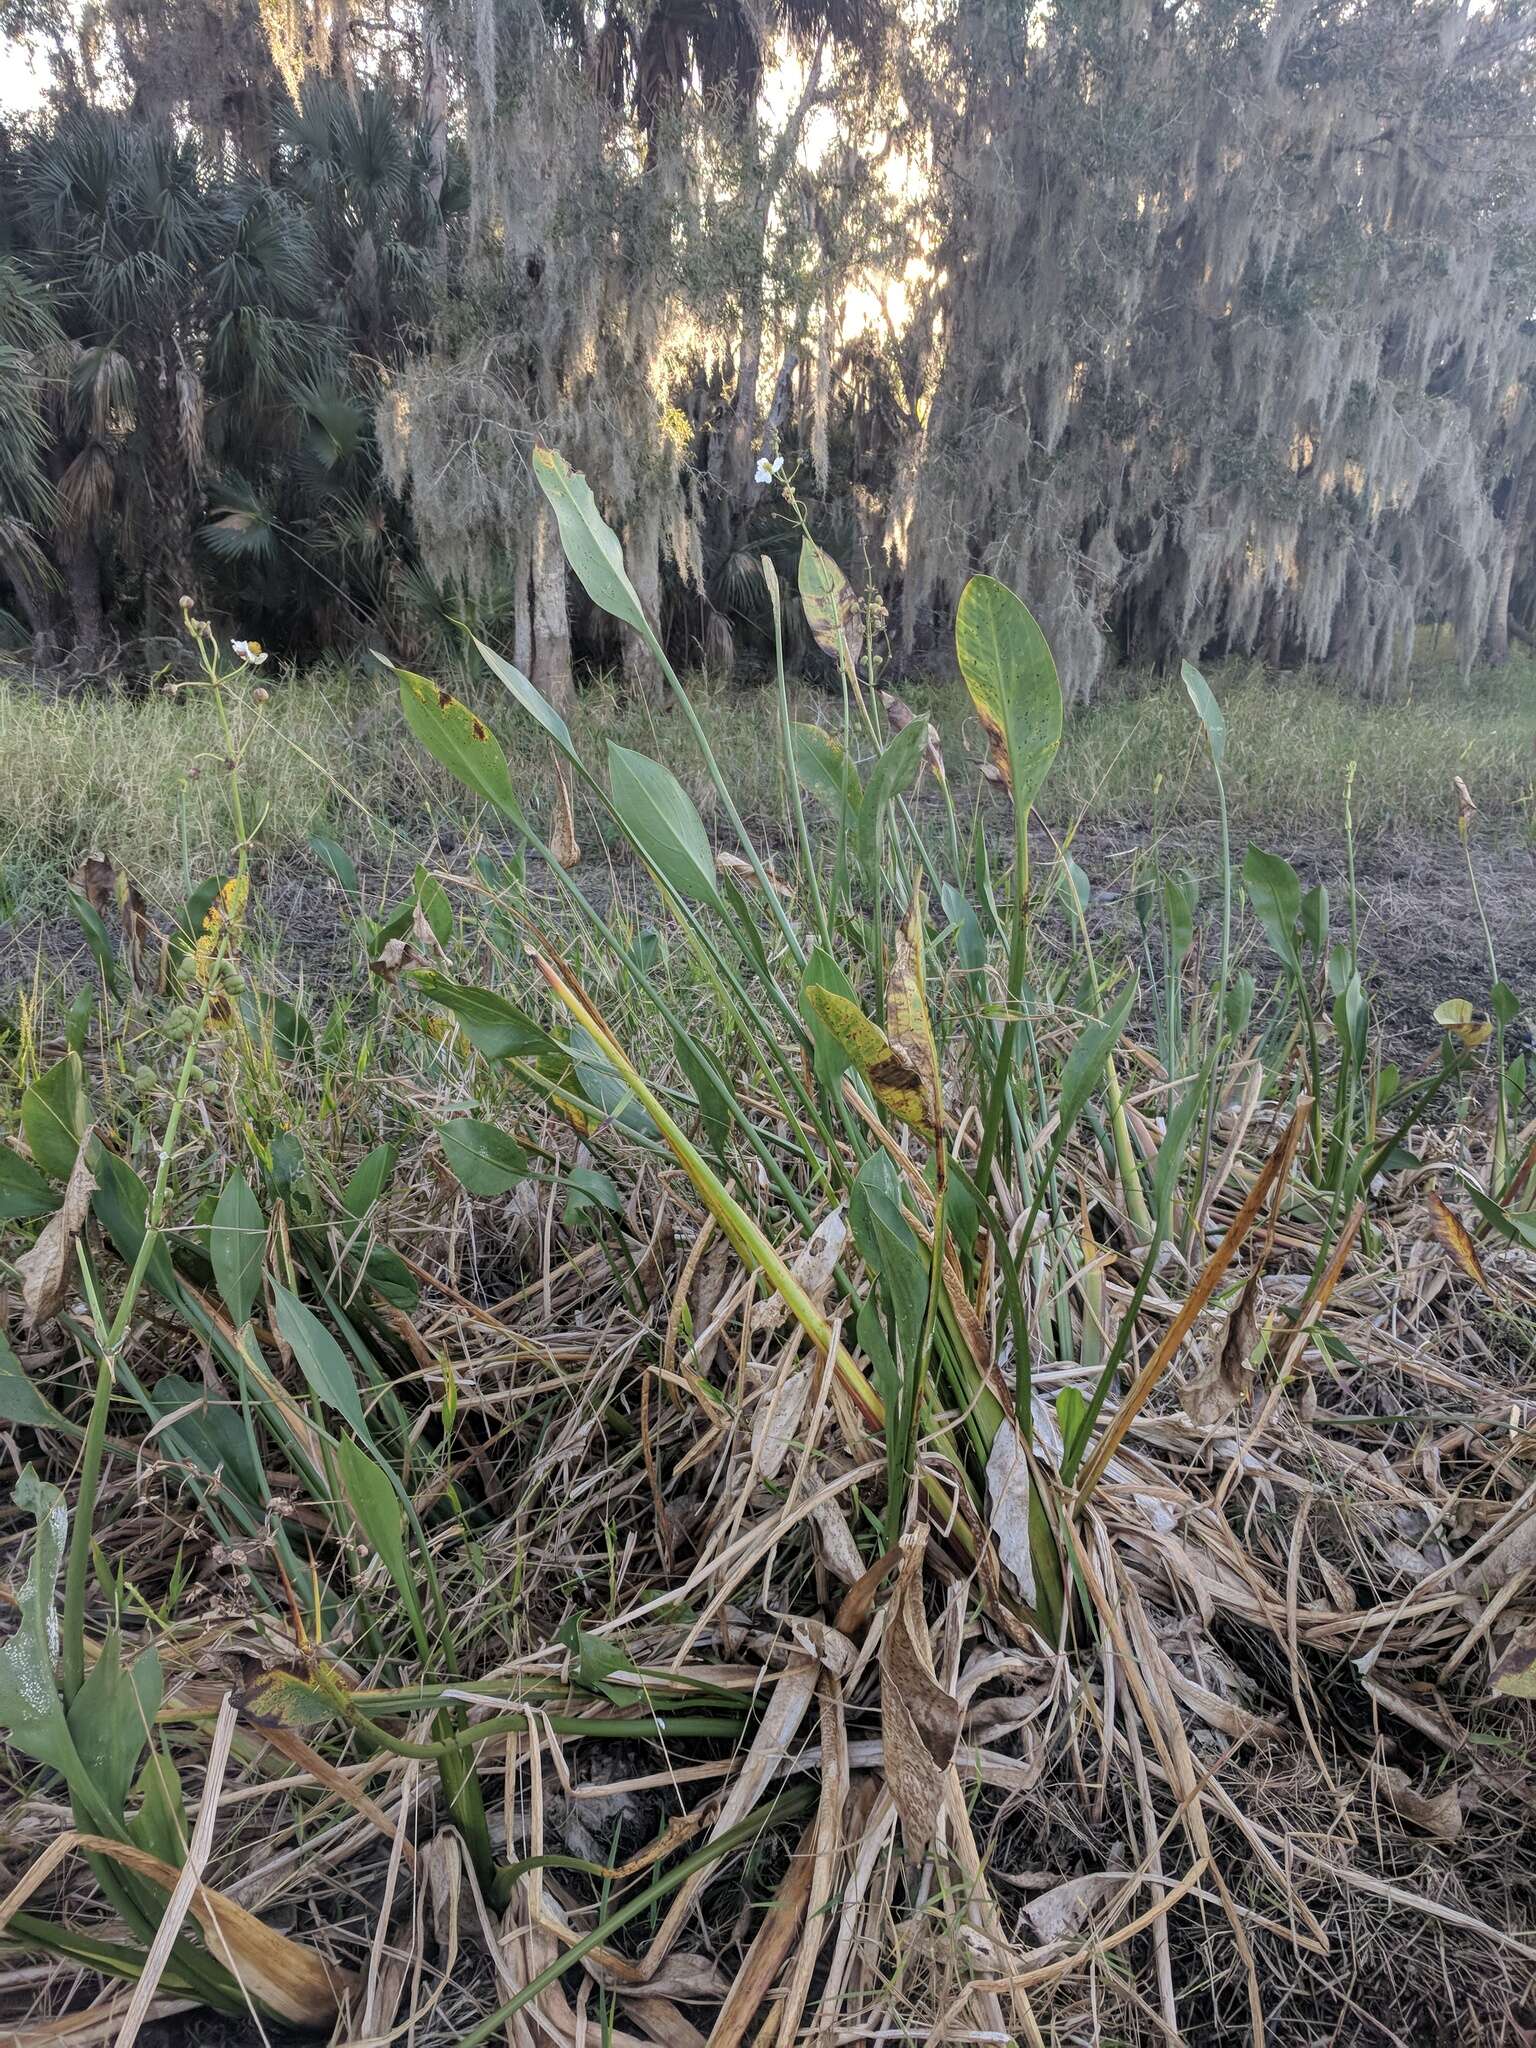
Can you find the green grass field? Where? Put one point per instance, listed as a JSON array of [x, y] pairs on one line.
[[141, 780]]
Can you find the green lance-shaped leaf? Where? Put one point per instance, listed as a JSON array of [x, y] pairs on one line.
[[30, 1709], [895, 771], [321, 1359], [112, 1718], [1208, 711], [497, 1029], [455, 736], [376, 1506], [533, 701], [832, 611], [591, 546], [1086, 1063], [368, 1182], [658, 814], [54, 1114], [1274, 890], [483, 1160], [1012, 678], [237, 1242], [336, 861]]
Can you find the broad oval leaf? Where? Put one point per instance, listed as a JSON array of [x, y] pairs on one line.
[[237, 1243], [453, 735], [591, 546], [483, 1160], [659, 816], [1011, 676]]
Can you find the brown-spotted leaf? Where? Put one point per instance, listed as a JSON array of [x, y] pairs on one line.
[[919, 1720], [832, 611], [287, 1699], [1515, 1672], [897, 1084]]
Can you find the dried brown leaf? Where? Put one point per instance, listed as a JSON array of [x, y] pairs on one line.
[[48, 1268], [919, 1720]]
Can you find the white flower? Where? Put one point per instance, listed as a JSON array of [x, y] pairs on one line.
[[249, 651], [767, 471]]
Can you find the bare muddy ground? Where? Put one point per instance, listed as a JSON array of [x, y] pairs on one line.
[[1421, 934]]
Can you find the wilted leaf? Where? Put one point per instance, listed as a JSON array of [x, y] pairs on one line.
[[1458, 1017], [563, 843], [1437, 1813], [48, 1269], [813, 1266], [776, 1421], [1058, 1914], [284, 1976], [1008, 1508], [919, 1720], [899, 716], [1451, 1232], [907, 1022], [1515, 1672], [896, 1082], [832, 611], [1227, 1380]]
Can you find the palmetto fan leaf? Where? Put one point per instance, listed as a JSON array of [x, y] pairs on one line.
[[240, 525]]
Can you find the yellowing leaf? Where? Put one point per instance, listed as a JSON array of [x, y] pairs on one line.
[[1453, 1234], [1012, 679], [1458, 1017], [291, 1981], [906, 1010], [896, 1082]]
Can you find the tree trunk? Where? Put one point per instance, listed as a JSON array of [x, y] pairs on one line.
[[1497, 647], [522, 611], [434, 95], [551, 618], [642, 555], [82, 577]]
